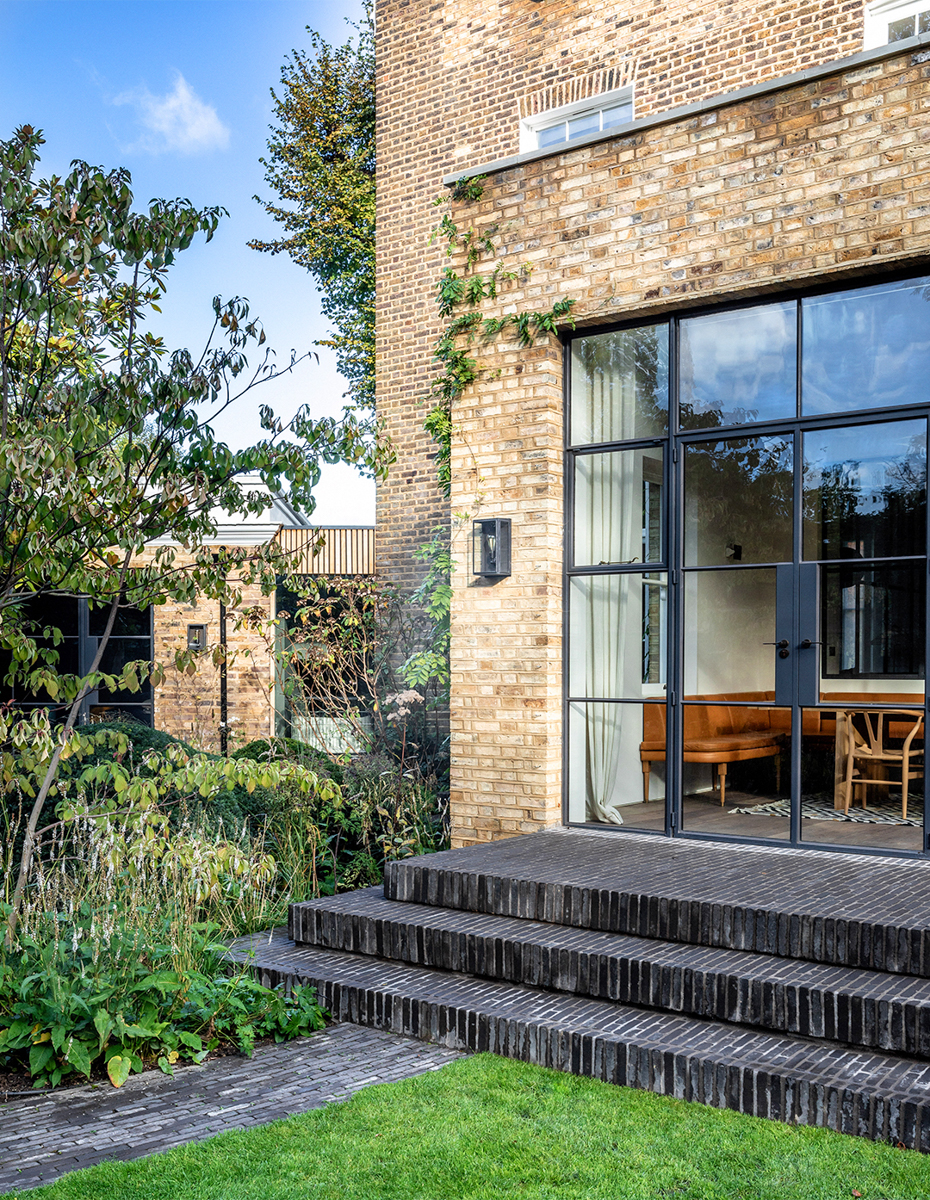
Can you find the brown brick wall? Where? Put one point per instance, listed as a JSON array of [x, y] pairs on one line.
[[449, 75], [819, 182], [189, 706]]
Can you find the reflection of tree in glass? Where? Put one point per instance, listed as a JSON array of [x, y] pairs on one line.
[[868, 348], [738, 500], [738, 367], [620, 385], [866, 510]]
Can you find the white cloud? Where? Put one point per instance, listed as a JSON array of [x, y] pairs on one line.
[[179, 120]]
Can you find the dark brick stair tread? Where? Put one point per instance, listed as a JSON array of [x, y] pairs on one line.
[[869, 1008], [696, 1059], [857, 910], [877, 985]]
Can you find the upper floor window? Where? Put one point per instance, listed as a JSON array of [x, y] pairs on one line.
[[591, 115], [890, 21]]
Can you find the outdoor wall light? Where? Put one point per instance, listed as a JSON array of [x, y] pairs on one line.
[[196, 637], [491, 547]]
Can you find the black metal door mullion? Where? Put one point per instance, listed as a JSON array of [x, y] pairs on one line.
[[676, 632], [797, 714]]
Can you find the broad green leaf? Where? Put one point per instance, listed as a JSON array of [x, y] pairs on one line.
[[79, 1056], [118, 1069], [104, 1024]]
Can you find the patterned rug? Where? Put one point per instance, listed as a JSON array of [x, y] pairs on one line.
[[820, 808]]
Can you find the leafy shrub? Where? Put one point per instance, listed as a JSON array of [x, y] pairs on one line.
[[103, 989], [266, 750], [383, 814]]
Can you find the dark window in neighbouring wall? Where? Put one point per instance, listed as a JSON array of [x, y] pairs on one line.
[[81, 627]]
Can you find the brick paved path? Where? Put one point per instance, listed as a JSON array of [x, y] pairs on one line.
[[42, 1139]]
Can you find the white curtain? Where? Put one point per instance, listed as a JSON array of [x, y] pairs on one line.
[[607, 623], [604, 388]]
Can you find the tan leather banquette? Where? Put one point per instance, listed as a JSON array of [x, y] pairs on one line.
[[720, 731]]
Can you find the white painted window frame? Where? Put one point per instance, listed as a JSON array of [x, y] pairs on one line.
[[879, 15], [530, 126]]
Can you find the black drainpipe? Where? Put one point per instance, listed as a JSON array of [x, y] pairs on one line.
[[224, 695], [224, 698]]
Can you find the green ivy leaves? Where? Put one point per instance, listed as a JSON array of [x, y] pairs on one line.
[[453, 349]]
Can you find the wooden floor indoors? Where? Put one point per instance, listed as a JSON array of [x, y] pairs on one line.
[[705, 815]]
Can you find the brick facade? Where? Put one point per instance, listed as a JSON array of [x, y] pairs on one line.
[[188, 706], [819, 180], [449, 79]]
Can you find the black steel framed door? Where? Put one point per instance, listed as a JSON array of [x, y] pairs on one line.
[[799, 609]]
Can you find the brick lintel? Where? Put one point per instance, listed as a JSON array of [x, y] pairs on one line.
[[669, 116]]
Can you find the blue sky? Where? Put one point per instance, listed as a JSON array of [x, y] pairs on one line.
[[179, 92]]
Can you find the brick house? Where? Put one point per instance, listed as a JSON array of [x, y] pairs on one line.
[[704, 673], [737, 200], [220, 706]]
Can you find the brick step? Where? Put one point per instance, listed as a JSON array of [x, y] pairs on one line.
[[849, 910], [864, 1008], [872, 1094]]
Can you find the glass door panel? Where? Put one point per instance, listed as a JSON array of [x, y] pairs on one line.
[[730, 634], [739, 499], [738, 366], [867, 348], [620, 385], [872, 625], [618, 636], [616, 760], [618, 508], [865, 491], [736, 776], [862, 775]]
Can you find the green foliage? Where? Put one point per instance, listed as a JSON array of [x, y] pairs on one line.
[[342, 648], [321, 165], [104, 445], [106, 442], [101, 989], [454, 349], [269, 749], [435, 595], [387, 814]]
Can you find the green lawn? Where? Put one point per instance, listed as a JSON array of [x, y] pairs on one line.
[[486, 1127]]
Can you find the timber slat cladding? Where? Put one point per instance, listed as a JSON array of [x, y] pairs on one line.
[[347, 550]]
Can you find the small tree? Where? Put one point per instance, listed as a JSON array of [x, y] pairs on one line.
[[106, 440], [341, 648], [321, 165]]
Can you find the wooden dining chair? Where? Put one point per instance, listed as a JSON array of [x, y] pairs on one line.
[[871, 736]]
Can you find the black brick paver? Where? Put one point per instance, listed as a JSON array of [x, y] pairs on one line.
[[867, 1008], [44, 1137], [848, 909]]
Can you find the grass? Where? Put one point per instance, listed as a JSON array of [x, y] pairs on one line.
[[486, 1127]]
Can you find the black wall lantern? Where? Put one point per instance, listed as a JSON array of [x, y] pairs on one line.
[[196, 637], [491, 547]]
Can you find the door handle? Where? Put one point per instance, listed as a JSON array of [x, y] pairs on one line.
[[807, 643], [783, 651]]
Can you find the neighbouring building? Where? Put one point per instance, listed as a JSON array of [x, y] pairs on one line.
[[714, 623], [240, 697]]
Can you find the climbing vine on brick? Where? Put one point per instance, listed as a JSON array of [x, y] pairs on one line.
[[460, 297]]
